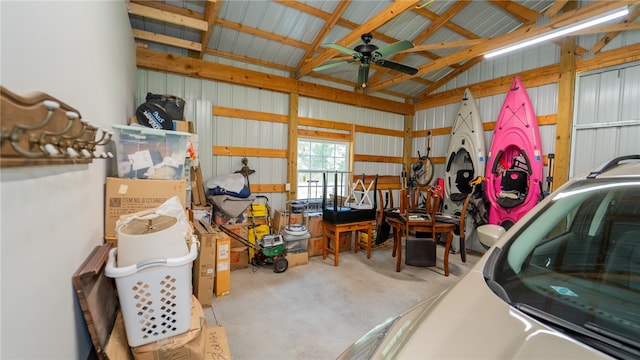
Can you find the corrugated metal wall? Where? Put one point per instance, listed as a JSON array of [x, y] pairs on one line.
[[615, 89], [202, 96], [606, 116]]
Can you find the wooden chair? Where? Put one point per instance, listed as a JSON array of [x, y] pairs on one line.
[[461, 226], [459, 221], [408, 202], [439, 227], [425, 223]]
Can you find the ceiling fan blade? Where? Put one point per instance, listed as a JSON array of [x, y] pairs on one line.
[[394, 48], [345, 50], [330, 65], [396, 66], [363, 75]]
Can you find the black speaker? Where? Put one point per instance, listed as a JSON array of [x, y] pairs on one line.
[[420, 252]]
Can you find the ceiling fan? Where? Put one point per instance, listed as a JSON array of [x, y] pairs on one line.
[[368, 53]]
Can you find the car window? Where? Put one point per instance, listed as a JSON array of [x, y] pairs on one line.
[[579, 258]]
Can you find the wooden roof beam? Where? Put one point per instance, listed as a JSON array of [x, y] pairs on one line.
[[525, 32], [166, 16]]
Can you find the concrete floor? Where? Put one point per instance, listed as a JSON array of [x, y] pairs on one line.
[[315, 311]]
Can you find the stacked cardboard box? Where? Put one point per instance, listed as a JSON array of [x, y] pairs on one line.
[[190, 343], [316, 230], [127, 196], [199, 343], [281, 219], [213, 265]]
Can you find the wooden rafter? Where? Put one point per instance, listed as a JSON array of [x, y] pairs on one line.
[[425, 34], [167, 40], [470, 47], [450, 76], [167, 16], [263, 34], [527, 16], [329, 23], [210, 15], [520, 34], [625, 25]]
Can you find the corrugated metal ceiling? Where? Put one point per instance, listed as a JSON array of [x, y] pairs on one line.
[[289, 35]]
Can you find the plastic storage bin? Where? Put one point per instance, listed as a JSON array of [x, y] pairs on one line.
[[147, 153], [420, 252], [295, 243], [155, 296]]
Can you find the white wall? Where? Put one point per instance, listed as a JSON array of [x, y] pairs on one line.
[[52, 216]]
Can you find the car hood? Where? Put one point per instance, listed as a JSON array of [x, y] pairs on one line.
[[470, 321]]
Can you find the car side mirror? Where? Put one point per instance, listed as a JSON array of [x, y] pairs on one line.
[[489, 234]]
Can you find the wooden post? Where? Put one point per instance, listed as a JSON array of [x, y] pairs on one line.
[[407, 143], [564, 124], [292, 148]]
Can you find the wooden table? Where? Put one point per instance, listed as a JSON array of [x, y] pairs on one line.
[[398, 225], [332, 234]]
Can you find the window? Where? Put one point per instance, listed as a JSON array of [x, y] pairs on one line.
[[316, 157], [578, 259]]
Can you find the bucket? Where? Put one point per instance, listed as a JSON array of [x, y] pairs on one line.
[[150, 237]]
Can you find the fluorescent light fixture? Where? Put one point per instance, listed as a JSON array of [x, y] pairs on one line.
[[562, 31]]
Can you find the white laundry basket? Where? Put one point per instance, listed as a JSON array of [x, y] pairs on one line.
[[156, 302]]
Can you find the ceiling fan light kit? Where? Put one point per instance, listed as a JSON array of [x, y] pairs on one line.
[[565, 30], [368, 54]]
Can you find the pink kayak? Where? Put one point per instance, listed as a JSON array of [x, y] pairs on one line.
[[514, 172]]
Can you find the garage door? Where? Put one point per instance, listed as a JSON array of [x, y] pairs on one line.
[[606, 116]]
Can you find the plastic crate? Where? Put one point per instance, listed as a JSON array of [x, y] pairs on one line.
[[155, 296], [296, 242], [147, 153]]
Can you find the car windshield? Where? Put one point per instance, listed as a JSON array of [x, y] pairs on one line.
[[578, 261]]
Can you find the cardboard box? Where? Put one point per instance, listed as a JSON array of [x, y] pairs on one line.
[[222, 264], [111, 240], [346, 239], [315, 225], [280, 220], [297, 259], [127, 196], [213, 339], [315, 246], [216, 343], [239, 256], [222, 281], [178, 125], [204, 266], [189, 345], [117, 347], [202, 212], [181, 125]]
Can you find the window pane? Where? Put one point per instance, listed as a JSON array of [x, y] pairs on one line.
[[316, 157]]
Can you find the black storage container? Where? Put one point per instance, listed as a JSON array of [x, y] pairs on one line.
[[420, 252]]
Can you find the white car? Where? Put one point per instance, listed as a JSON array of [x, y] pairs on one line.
[[563, 282]]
